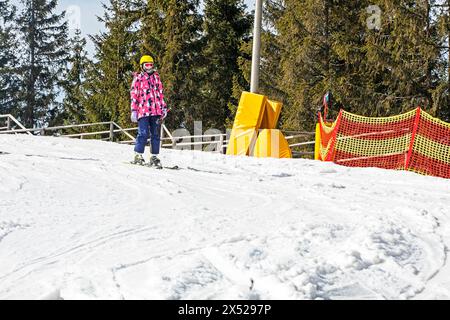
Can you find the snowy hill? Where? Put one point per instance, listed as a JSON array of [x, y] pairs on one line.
[[76, 222]]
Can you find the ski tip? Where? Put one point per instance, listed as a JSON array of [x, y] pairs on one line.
[[154, 167], [172, 168]]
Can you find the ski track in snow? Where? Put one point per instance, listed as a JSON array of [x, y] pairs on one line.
[[78, 223]]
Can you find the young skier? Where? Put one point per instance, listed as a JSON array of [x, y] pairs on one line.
[[148, 109]]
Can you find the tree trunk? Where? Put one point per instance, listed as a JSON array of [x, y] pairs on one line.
[[31, 90], [429, 65], [428, 35]]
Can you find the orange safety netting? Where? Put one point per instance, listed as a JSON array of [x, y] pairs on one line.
[[413, 141]]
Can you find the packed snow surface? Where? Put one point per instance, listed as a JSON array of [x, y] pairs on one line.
[[78, 222]]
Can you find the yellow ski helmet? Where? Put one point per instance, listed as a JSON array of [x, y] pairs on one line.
[[146, 59]]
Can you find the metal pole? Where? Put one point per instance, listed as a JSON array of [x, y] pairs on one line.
[[256, 56]]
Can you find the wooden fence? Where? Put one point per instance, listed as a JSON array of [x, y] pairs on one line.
[[111, 131]]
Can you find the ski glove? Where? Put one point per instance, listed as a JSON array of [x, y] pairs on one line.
[[134, 116]]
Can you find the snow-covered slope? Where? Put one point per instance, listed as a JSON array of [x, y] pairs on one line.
[[77, 222]]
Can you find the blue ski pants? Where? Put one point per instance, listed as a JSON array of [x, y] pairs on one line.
[[148, 127]]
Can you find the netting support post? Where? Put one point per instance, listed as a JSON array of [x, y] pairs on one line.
[[413, 138], [331, 153]]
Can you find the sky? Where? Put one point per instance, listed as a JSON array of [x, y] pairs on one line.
[[83, 14]]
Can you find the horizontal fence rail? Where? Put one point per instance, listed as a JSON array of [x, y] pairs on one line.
[[111, 130], [10, 118], [301, 148]]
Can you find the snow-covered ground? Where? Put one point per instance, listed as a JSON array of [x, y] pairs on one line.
[[77, 222]]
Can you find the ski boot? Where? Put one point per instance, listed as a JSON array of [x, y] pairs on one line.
[[155, 162], [138, 159]]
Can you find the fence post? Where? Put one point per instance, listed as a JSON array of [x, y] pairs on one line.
[[220, 144], [174, 143], [111, 131], [42, 131]]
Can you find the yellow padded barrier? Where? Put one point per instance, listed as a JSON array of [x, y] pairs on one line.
[[248, 120], [257, 112], [250, 111], [241, 142], [271, 114], [272, 143], [318, 142]]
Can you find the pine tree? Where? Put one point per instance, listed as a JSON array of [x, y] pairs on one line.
[[447, 32], [241, 79], [270, 61], [315, 45], [402, 56], [9, 87], [442, 93], [108, 80], [225, 25], [329, 45], [44, 36], [152, 30], [74, 111], [171, 30]]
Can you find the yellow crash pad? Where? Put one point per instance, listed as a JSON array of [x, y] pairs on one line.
[[250, 111], [271, 114], [242, 142], [272, 143], [248, 120]]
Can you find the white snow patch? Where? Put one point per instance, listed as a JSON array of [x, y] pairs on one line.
[[77, 222]]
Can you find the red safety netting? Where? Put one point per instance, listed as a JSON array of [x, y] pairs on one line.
[[412, 141]]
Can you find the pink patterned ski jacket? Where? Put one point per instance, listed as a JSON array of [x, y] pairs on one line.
[[147, 97]]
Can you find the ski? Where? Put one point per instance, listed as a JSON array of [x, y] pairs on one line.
[[146, 165], [207, 171], [172, 168]]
